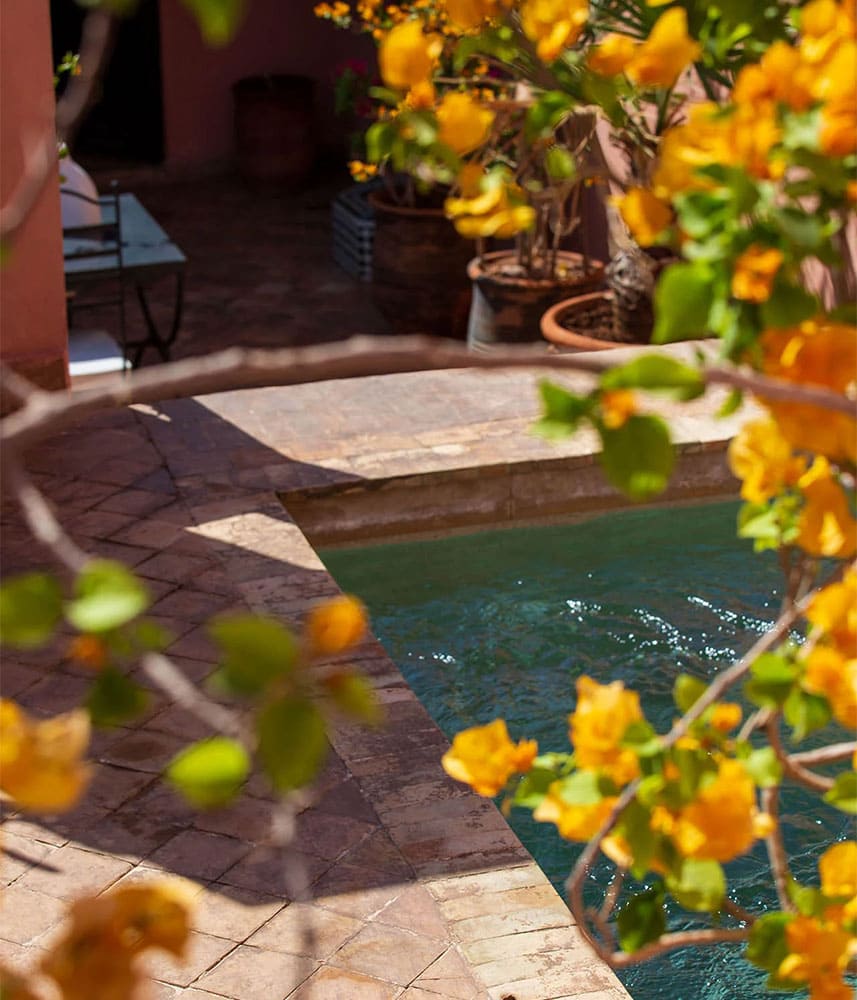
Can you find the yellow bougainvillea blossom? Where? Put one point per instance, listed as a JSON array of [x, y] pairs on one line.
[[497, 210], [755, 270], [573, 820], [361, 171], [834, 611], [826, 526], [762, 458], [816, 352], [553, 25], [484, 757], [666, 53], [41, 765], [598, 724], [96, 955], [819, 952], [722, 821], [406, 55], [645, 215], [611, 55], [830, 674], [616, 406], [464, 123], [838, 870], [726, 715], [335, 625], [471, 14]]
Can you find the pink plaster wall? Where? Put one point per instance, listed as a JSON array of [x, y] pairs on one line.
[[277, 36], [33, 334]]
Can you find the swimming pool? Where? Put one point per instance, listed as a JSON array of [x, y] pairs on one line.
[[501, 623]]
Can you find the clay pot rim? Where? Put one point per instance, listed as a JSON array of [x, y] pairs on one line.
[[379, 203], [555, 333], [477, 272]]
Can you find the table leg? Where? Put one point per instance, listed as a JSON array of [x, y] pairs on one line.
[[161, 344]]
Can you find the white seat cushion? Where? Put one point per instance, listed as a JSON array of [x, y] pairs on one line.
[[94, 352]]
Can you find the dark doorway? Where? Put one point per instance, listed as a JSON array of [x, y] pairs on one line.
[[126, 124]]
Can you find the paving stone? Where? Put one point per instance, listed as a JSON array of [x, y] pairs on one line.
[[203, 952], [27, 914], [233, 913], [138, 503], [147, 751], [527, 943], [505, 901], [338, 984], [197, 854], [329, 836], [414, 909], [254, 972], [70, 871], [500, 923], [558, 970], [263, 869], [356, 892], [394, 955], [304, 929], [111, 786], [477, 883], [450, 976], [247, 818]]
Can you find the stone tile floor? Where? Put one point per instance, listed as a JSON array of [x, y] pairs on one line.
[[419, 890]]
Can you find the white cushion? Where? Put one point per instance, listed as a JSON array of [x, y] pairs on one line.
[[93, 352]]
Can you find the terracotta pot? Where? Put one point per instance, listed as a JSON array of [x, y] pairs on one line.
[[419, 270], [275, 143], [558, 319], [508, 309]]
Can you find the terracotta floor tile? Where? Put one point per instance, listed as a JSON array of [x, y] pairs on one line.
[[203, 953], [288, 931], [415, 910], [338, 984], [233, 913], [27, 914], [197, 854], [263, 870], [388, 953], [74, 872], [450, 975], [263, 975]]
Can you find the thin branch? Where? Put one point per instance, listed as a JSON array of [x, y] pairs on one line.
[[797, 772], [173, 682], [40, 519], [15, 386], [753, 722], [680, 939], [825, 755], [737, 911], [237, 368], [776, 849]]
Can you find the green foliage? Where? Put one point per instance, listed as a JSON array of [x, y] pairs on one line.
[[115, 698], [545, 114], [805, 713], [355, 696], [656, 373], [767, 947], [843, 795], [563, 411], [292, 742], [687, 690], [699, 886], [683, 299], [106, 596], [763, 767], [788, 305], [534, 785], [638, 457], [211, 772], [217, 19], [256, 652], [30, 610], [772, 677], [642, 919]]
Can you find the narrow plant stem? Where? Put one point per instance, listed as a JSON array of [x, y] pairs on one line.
[[825, 755], [680, 939], [755, 721], [797, 772], [776, 850], [737, 911]]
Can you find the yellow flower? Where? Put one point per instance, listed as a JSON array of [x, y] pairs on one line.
[[495, 209], [421, 95], [754, 273], [817, 352], [362, 171], [334, 11], [611, 55], [834, 611], [41, 766], [725, 716], [470, 14], [838, 136], [722, 822], [826, 526], [95, 956], [780, 75], [553, 24], [668, 50], [761, 457], [616, 406], [598, 724], [818, 955], [573, 821], [406, 56], [830, 674], [838, 870], [645, 215], [464, 124], [89, 650], [485, 758], [335, 625]]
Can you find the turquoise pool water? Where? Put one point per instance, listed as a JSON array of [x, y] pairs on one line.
[[502, 623]]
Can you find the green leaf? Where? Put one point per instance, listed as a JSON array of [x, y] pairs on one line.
[[545, 114], [641, 737], [656, 373], [805, 713], [583, 788], [760, 522], [211, 772], [30, 609], [698, 886], [563, 411], [107, 595], [687, 690], [683, 298], [115, 698], [808, 900], [772, 679], [533, 787], [802, 130], [355, 696], [636, 828], [379, 141], [732, 402], [843, 795], [257, 651], [642, 919], [702, 212], [763, 767], [217, 19], [292, 742], [559, 164], [638, 457], [766, 946], [788, 305]]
